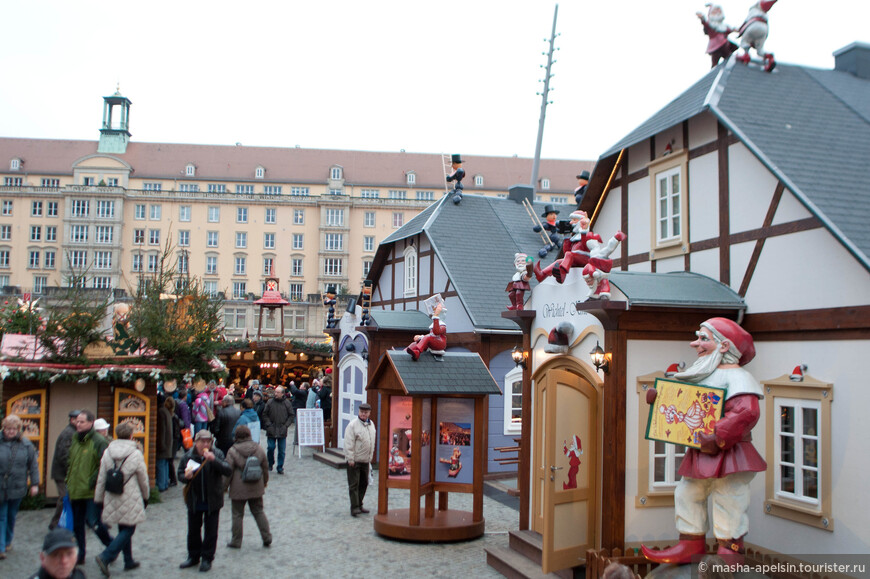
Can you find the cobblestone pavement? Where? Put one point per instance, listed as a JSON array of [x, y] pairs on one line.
[[314, 536]]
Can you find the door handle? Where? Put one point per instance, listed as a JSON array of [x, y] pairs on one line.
[[555, 468]]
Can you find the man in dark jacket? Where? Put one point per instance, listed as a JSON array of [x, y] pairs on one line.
[[225, 422], [203, 468], [58, 557], [276, 419], [300, 400], [59, 464]]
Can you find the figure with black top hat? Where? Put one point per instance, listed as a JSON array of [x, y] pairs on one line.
[[580, 191], [456, 177], [551, 227]]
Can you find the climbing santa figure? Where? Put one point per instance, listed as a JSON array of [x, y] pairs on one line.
[[436, 340], [753, 34], [573, 453], [718, 47]]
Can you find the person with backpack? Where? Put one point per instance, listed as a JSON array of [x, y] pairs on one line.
[[123, 469], [247, 485], [250, 419]]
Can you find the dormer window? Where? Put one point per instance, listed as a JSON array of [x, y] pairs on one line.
[[478, 180], [335, 173], [15, 164], [545, 183], [190, 170], [411, 177], [260, 173]]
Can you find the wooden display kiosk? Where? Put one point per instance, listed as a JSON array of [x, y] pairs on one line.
[[431, 439]]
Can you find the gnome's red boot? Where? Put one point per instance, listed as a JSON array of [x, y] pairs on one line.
[[769, 62], [688, 547], [731, 551], [744, 58], [540, 275], [512, 296]]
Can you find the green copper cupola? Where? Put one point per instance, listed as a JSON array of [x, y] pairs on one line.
[[115, 133]]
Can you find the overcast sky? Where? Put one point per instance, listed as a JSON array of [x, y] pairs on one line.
[[424, 76]]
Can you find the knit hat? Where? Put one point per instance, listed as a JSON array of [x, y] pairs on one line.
[[742, 344]]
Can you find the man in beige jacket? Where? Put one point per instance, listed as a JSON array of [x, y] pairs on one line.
[[359, 448]]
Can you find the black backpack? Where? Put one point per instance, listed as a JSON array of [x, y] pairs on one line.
[[252, 471], [115, 478]]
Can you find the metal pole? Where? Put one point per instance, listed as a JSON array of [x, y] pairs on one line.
[[544, 102]]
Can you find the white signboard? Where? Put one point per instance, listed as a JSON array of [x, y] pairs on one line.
[[310, 424]]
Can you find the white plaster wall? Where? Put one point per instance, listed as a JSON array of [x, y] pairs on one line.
[[706, 263], [836, 362], [638, 217], [806, 270], [423, 269], [457, 319], [790, 209], [383, 289], [740, 254], [638, 156], [643, 266], [703, 197], [674, 133], [751, 188], [555, 303], [608, 220], [702, 129], [440, 277], [676, 263]]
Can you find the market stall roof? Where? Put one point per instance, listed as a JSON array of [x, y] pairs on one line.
[[674, 289], [461, 373], [410, 320]]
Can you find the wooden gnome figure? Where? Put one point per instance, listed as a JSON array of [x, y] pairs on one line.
[[456, 177], [718, 46], [436, 340], [519, 283], [597, 271], [551, 226], [582, 183], [753, 34]]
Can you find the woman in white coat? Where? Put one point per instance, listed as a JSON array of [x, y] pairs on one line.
[[128, 508]]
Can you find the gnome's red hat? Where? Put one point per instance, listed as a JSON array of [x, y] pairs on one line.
[[674, 368], [797, 374], [740, 339]]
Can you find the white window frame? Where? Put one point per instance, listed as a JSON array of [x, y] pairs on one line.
[[411, 178], [333, 266], [478, 180], [298, 217], [184, 238], [240, 291], [335, 217], [297, 266], [271, 215], [368, 243], [241, 214], [298, 241], [268, 264], [104, 234], [410, 271], [240, 265], [139, 212], [155, 213], [214, 214], [299, 191], [797, 465], [545, 183], [369, 219], [7, 208], [50, 258], [153, 237], [370, 193], [296, 291], [268, 241], [35, 233], [672, 169], [272, 189], [510, 427], [398, 219], [335, 173], [259, 172], [36, 209], [425, 195], [5, 232], [334, 242], [241, 239], [52, 209], [190, 170], [212, 238], [185, 213], [211, 264], [105, 209], [50, 233]]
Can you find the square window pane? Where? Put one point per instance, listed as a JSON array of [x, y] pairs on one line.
[[811, 484], [787, 481], [811, 455], [787, 419], [810, 416], [786, 449], [660, 472]]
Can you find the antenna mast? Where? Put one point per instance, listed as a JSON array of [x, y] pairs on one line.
[[544, 102]]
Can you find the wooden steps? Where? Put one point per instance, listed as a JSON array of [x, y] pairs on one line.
[[521, 559], [334, 457]]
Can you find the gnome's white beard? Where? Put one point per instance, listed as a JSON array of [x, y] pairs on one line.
[[703, 367]]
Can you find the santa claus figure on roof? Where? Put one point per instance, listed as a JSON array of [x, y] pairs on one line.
[[753, 34], [718, 47]]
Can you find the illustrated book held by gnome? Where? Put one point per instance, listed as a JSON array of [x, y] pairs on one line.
[[682, 411], [431, 302]]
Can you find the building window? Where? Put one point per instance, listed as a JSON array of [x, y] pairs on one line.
[[240, 291], [52, 209], [217, 188], [211, 239], [411, 178], [398, 219], [369, 243], [369, 219], [78, 259], [299, 191], [241, 214], [335, 173], [335, 217], [79, 234], [102, 260], [539, 198], [190, 170], [39, 283], [184, 238], [102, 282], [211, 264], [478, 180], [236, 317], [105, 209], [334, 241], [80, 207], [51, 233], [241, 239], [425, 195], [271, 215], [298, 241], [259, 173], [51, 183], [669, 199], [558, 199], [798, 477], [545, 183], [410, 261], [104, 233], [294, 320], [4, 262], [7, 207], [182, 263], [184, 213], [244, 189], [153, 186], [153, 260], [295, 290], [49, 259], [398, 194], [272, 189], [210, 288], [369, 193], [241, 267], [336, 191], [268, 264], [138, 236], [214, 214], [36, 209], [332, 267], [5, 232], [189, 187], [137, 262], [367, 266], [298, 217], [34, 259], [296, 267], [13, 181], [153, 237], [268, 241], [15, 164], [513, 401], [35, 233], [139, 212], [156, 212]]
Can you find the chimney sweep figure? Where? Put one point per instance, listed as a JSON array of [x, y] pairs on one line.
[[576, 250], [582, 183], [436, 339], [726, 462], [753, 33], [552, 228], [520, 281], [456, 177], [718, 47]]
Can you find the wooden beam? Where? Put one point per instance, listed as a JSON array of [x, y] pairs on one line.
[[724, 207], [759, 244]]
